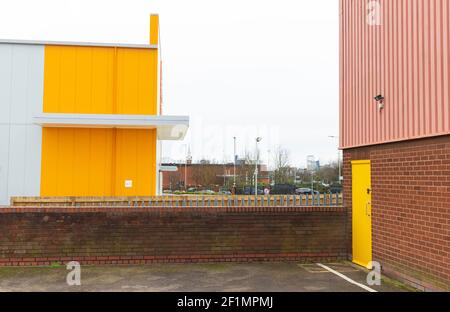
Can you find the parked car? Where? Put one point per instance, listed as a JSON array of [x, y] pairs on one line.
[[250, 190], [305, 191], [335, 189], [283, 189]]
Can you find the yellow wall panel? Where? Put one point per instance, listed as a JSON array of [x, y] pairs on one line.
[[79, 80], [76, 162], [136, 162], [97, 162], [99, 80], [137, 71], [100, 158], [49, 160], [86, 162]]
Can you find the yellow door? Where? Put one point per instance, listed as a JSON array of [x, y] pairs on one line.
[[362, 213]]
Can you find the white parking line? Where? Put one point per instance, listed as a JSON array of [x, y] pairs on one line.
[[346, 278]]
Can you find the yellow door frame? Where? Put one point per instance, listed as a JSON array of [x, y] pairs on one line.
[[362, 213]]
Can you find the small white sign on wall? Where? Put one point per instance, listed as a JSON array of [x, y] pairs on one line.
[[128, 183]]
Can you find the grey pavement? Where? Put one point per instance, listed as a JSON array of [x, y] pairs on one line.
[[232, 277]]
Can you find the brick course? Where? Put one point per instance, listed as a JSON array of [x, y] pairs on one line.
[[119, 235], [411, 208]]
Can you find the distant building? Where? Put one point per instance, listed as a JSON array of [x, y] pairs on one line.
[[212, 176], [312, 164]]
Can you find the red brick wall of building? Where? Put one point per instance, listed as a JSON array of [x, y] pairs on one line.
[[42, 236], [410, 208]]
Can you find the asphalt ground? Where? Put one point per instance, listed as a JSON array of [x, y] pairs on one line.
[[228, 277]]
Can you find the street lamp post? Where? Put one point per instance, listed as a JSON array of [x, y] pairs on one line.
[[234, 162], [339, 157], [258, 139], [185, 167]]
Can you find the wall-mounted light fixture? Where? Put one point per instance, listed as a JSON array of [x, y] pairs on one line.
[[380, 101]]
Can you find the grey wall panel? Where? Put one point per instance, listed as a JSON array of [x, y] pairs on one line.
[[27, 83], [4, 163], [33, 163], [5, 82], [17, 159], [21, 97]]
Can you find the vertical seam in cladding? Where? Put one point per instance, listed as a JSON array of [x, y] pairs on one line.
[[356, 60], [9, 120], [346, 78], [350, 74], [354, 69], [378, 73], [91, 104], [439, 67], [405, 70], [77, 49], [363, 71], [397, 74], [391, 74], [418, 70], [344, 74], [442, 67], [425, 66], [411, 81], [432, 80], [114, 131], [27, 109], [371, 79], [383, 69], [448, 67]]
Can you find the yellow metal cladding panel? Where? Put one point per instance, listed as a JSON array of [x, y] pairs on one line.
[[78, 80], [97, 162], [135, 162], [76, 162], [137, 83], [99, 80]]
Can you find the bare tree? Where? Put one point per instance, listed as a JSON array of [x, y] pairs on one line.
[[282, 172]]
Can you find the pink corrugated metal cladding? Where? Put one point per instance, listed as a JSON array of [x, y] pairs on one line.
[[398, 49]]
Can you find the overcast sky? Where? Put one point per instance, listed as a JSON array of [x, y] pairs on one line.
[[243, 68]]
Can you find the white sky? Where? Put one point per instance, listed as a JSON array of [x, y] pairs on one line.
[[241, 68]]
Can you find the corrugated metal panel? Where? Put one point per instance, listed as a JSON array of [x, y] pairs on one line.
[[94, 80], [21, 91], [406, 59], [97, 162]]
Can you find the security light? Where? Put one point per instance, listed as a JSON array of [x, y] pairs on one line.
[[379, 98], [380, 101]]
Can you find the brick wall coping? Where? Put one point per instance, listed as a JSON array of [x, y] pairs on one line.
[[125, 209]]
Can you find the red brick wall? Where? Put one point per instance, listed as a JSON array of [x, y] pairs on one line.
[[41, 236], [411, 208]]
